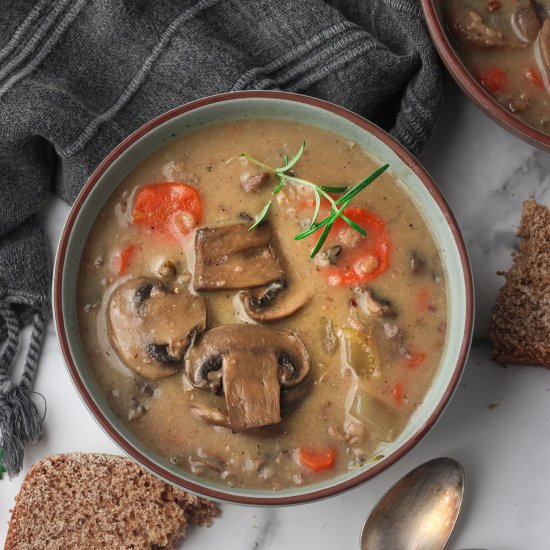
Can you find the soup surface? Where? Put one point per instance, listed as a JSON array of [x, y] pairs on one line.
[[229, 351], [505, 44]]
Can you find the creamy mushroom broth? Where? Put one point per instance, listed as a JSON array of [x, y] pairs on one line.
[[231, 352], [505, 44]]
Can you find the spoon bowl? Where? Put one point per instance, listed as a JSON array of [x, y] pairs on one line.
[[419, 511]]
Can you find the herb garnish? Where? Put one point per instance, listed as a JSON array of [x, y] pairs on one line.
[[337, 206]]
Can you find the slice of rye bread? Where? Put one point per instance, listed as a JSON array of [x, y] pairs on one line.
[[520, 325], [94, 501]]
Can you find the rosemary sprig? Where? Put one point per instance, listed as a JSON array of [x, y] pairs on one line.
[[319, 191]]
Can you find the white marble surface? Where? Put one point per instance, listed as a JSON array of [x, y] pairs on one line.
[[485, 173]]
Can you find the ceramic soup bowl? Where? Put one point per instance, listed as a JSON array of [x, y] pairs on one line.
[[470, 85], [292, 107]]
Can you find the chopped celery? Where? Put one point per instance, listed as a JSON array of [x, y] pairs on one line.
[[384, 422], [359, 352]]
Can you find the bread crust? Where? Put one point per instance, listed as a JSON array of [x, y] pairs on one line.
[[100, 501], [520, 323], [505, 360]]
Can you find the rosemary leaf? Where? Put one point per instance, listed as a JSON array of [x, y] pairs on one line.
[[251, 159], [334, 189], [293, 160], [282, 181], [355, 226], [314, 228], [361, 185], [261, 216], [317, 206], [321, 241]]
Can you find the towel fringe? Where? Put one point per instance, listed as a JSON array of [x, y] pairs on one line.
[[20, 420]]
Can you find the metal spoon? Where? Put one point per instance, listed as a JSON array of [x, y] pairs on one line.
[[419, 511]]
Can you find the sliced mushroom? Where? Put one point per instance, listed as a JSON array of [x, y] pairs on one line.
[[211, 415], [231, 257], [373, 305], [254, 183], [542, 52], [293, 396], [256, 362], [274, 302], [544, 7], [252, 391], [151, 326], [266, 297], [525, 20]]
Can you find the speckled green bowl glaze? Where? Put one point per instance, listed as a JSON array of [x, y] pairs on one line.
[[283, 106]]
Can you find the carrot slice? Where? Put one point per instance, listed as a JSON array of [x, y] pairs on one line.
[[415, 360], [122, 258], [398, 392], [494, 79], [318, 460], [534, 77], [422, 299], [362, 258], [171, 208]]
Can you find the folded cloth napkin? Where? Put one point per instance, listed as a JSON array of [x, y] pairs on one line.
[[77, 76]]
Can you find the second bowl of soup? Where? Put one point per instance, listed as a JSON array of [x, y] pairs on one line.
[[498, 52], [263, 298]]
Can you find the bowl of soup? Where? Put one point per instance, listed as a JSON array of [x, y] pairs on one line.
[[263, 298], [498, 52]]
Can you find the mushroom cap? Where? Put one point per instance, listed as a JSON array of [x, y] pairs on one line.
[[274, 303], [150, 326], [259, 365], [525, 21], [207, 354]]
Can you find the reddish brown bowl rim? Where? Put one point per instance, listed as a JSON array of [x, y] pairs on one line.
[[406, 157], [472, 88]]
